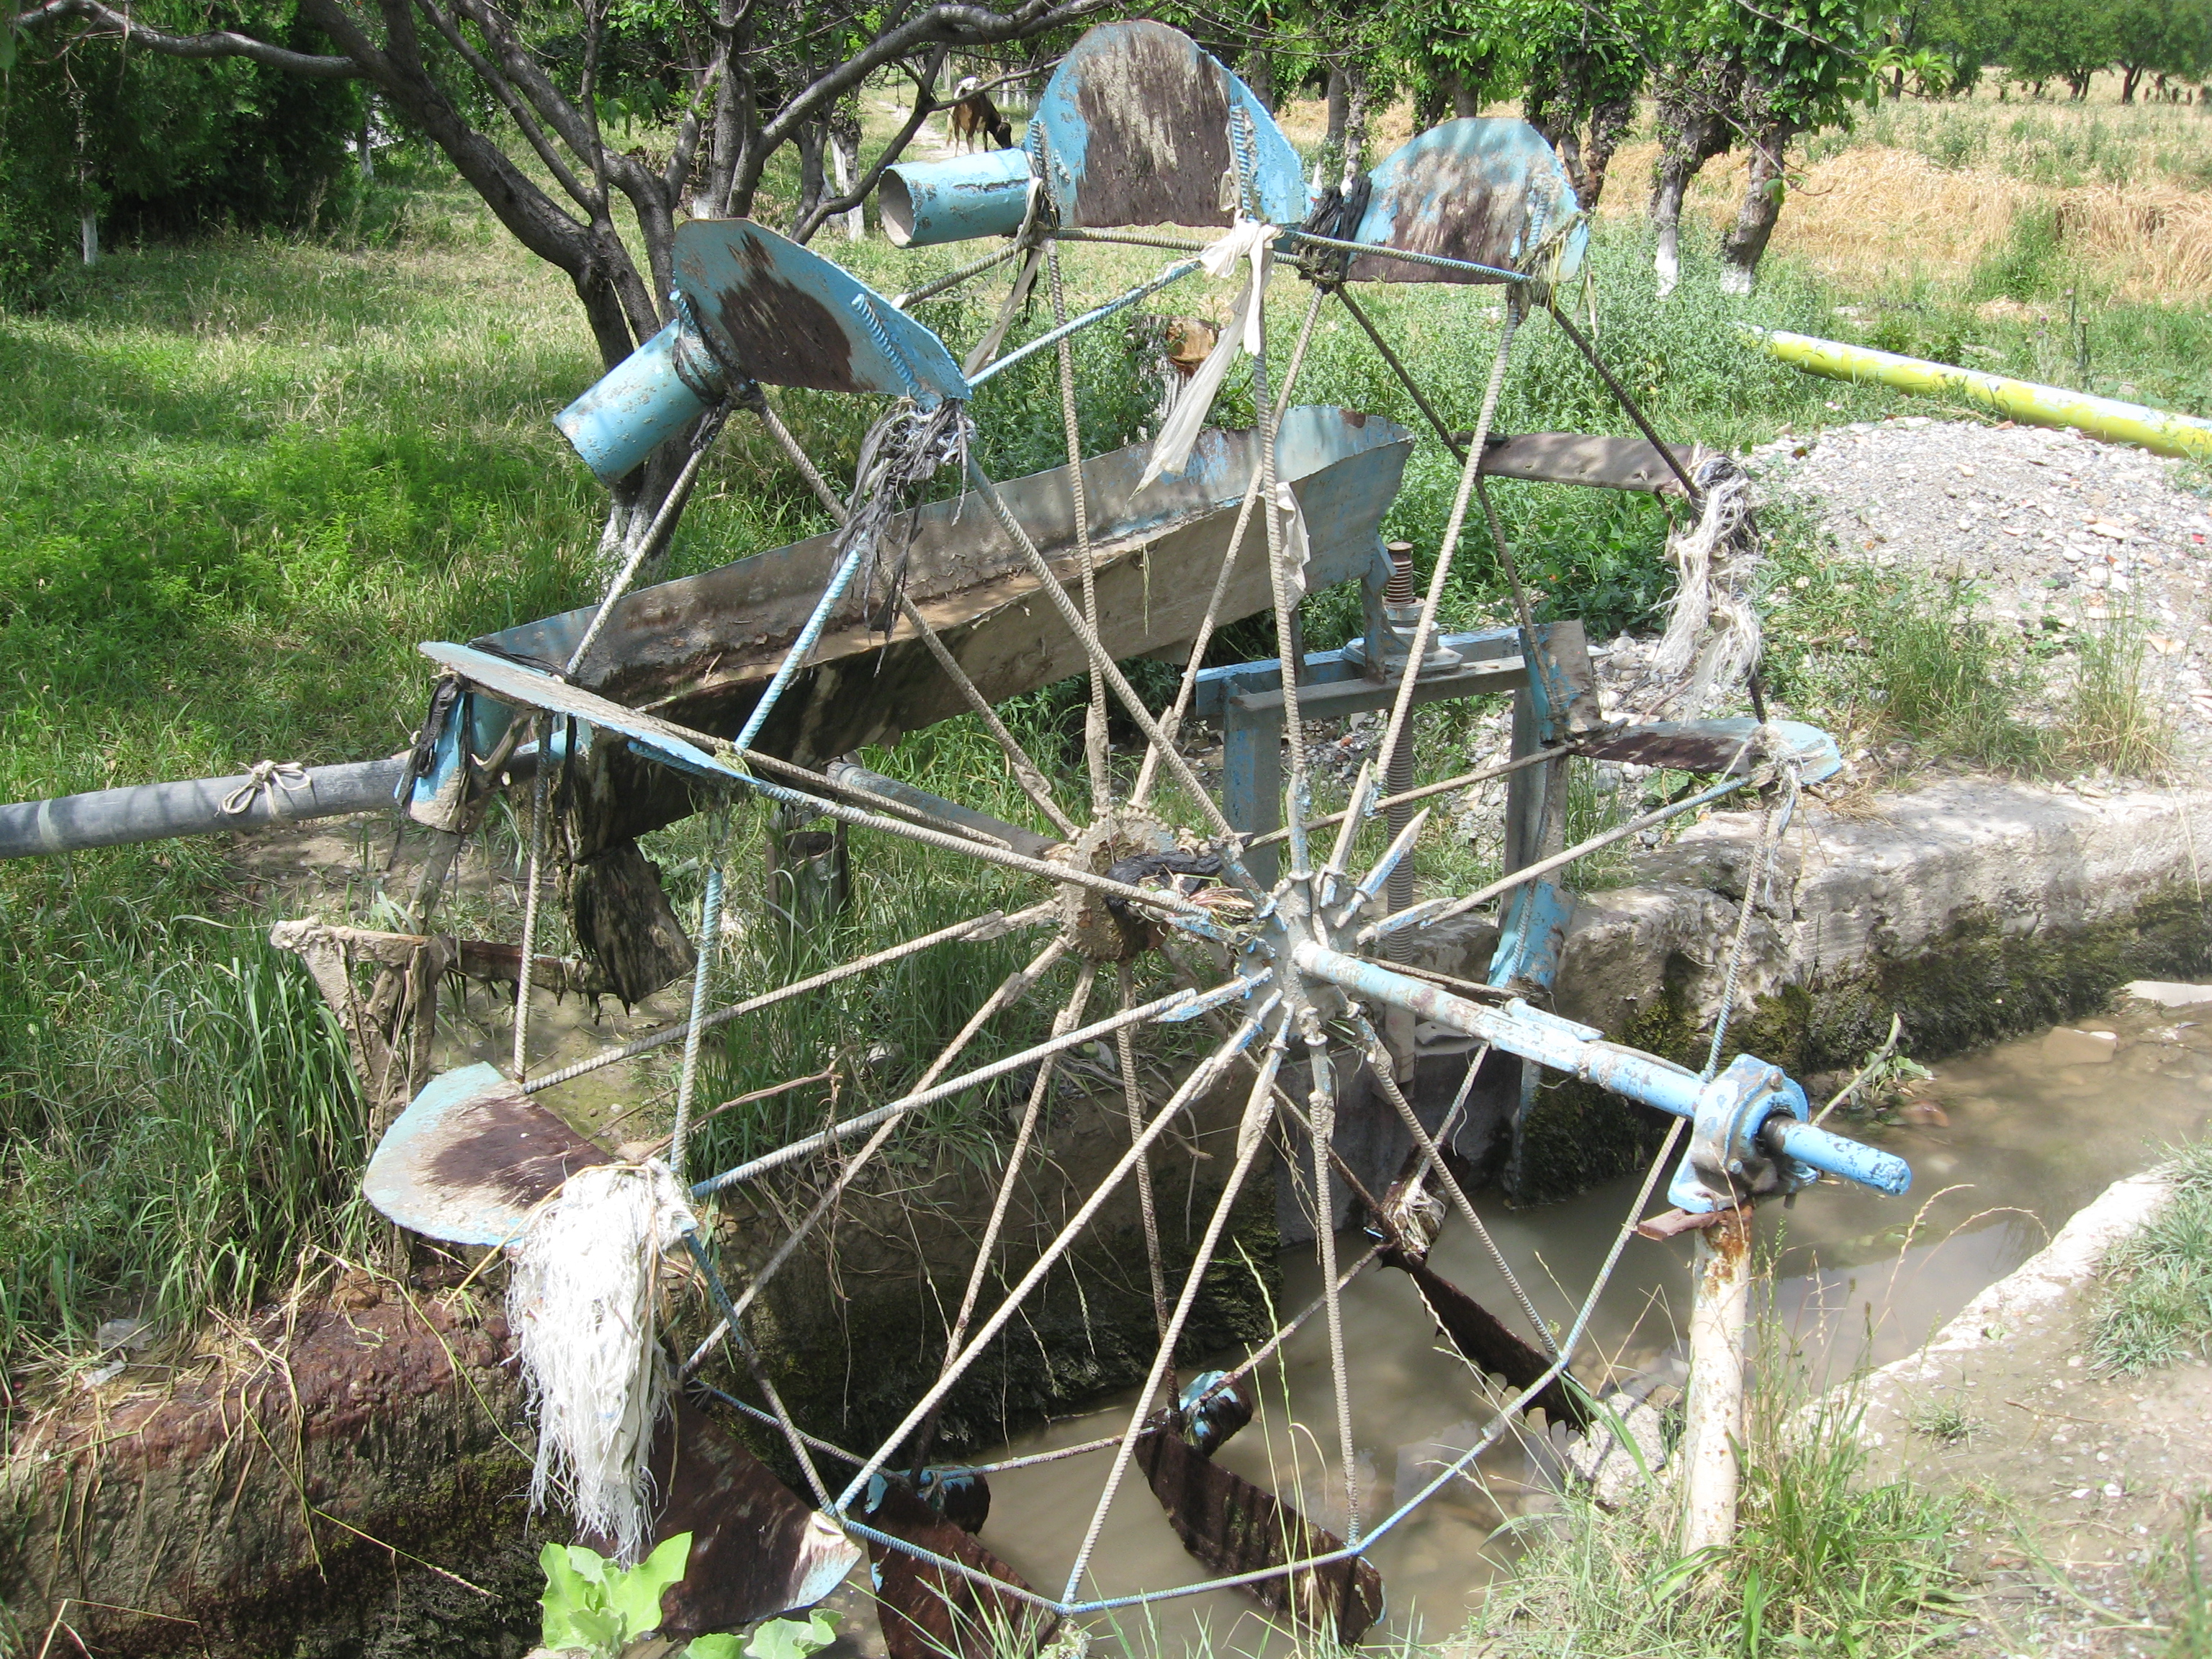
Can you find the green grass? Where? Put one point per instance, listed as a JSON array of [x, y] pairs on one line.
[[1881, 656], [2153, 1306], [1823, 1562]]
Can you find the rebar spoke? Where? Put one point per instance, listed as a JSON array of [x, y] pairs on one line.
[[1070, 1015], [1104, 662], [983, 926], [1378, 1062], [1094, 720], [1402, 707], [1026, 772], [1251, 1139], [1200, 1079], [1012, 986], [1320, 1103], [1133, 1096], [1171, 1006]]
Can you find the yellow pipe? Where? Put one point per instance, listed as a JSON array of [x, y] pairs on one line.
[[2155, 429]]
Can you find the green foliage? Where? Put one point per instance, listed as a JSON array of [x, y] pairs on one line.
[[788, 1638], [1808, 61], [1822, 1562], [2154, 1304], [179, 1121], [157, 146], [593, 1604], [595, 1607], [2032, 264]]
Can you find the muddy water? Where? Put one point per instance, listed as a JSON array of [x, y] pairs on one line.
[[2019, 1138]]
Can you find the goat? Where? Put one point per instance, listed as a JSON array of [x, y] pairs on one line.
[[975, 118]]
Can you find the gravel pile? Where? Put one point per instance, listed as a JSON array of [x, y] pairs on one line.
[[2052, 529]]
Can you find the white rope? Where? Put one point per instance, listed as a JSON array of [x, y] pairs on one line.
[[582, 1305], [1248, 239], [1712, 635], [266, 777]]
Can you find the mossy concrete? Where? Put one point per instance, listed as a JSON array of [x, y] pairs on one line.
[[1970, 909]]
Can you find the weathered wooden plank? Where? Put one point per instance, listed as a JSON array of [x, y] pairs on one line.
[[1580, 458]]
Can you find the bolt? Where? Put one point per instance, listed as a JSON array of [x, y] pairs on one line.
[[1399, 590]]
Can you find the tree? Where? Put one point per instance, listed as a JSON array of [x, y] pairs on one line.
[[2164, 38], [97, 136], [745, 81], [1585, 68], [2067, 41], [1763, 75]]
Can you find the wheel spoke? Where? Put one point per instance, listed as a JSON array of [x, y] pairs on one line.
[[1200, 1078], [1251, 1139]]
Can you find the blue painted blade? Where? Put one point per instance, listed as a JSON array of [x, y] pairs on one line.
[[531, 688], [786, 317], [470, 1156], [1136, 127], [1490, 192], [1526, 958], [1716, 745]]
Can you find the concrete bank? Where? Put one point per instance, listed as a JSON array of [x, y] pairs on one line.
[[1973, 908]]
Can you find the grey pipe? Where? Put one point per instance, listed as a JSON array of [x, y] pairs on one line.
[[156, 811], [860, 780]]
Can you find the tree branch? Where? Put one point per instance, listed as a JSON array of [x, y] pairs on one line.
[[216, 43], [949, 24], [925, 104], [503, 89]]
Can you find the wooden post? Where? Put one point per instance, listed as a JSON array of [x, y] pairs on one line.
[[1713, 1425]]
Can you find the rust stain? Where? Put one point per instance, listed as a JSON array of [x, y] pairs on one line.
[[1681, 751], [506, 1145], [754, 1544], [1157, 114], [1234, 1527], [1478, 222]]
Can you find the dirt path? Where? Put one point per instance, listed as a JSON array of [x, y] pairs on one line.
[[2078, 1489]]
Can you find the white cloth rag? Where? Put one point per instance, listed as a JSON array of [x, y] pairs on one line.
[[1248, 239]]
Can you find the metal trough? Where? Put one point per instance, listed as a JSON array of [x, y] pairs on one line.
[[699, 650]]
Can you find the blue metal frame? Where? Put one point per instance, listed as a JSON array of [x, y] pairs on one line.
[[1247, 699]]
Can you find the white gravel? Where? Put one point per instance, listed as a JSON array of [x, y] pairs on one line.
[[2051, 529]]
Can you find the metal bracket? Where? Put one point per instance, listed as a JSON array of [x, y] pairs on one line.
[[1728, 1160]]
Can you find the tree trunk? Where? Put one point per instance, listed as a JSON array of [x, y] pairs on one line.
[[1746, 243], [1693, 128], [1332, 143], [1355, 124], [2129, 74], [1610, 124], [367, 161], [1260, 75], [811, 136], [1464, 100], [845, 159]]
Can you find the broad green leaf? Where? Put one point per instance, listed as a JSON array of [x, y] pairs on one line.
[[634, 1596], [589, 1563], [793, 1638], [722, 1646], [568, 1593], [602, 1631]]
